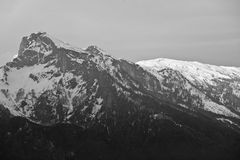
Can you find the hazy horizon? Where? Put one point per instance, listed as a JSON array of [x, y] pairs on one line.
[[207, 31]]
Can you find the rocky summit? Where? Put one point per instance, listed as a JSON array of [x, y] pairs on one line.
[[58, 101]]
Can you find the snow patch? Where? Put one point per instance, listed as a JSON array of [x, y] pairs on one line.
[[97, 106], [224, 120], [61, 44]]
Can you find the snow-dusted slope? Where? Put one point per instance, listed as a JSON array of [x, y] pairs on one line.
[[51, 81], [200, 73], [217, 87]]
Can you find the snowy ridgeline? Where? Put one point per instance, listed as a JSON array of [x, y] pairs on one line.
[[193, 71]]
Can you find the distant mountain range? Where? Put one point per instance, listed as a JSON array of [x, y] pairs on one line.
[[161, 104]]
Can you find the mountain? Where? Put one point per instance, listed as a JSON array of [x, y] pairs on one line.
[[63, 102], [50, 81], [195, 86]]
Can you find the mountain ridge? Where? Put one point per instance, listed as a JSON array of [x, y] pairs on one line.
[[207, 78], [64, 102], [43, 59]]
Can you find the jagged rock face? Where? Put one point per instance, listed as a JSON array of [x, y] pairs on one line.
[[51, 82]]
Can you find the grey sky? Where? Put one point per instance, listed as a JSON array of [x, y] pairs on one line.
[[201, 30]]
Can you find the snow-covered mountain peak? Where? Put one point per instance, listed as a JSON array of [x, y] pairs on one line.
[[60, 44], [193, 71], [218, 84], [44, 43], [162, 62]]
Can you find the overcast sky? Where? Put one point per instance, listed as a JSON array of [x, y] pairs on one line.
[[201, 30]]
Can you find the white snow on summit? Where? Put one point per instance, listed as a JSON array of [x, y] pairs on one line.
[[193, 71], [61, 44], [202, 75]]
